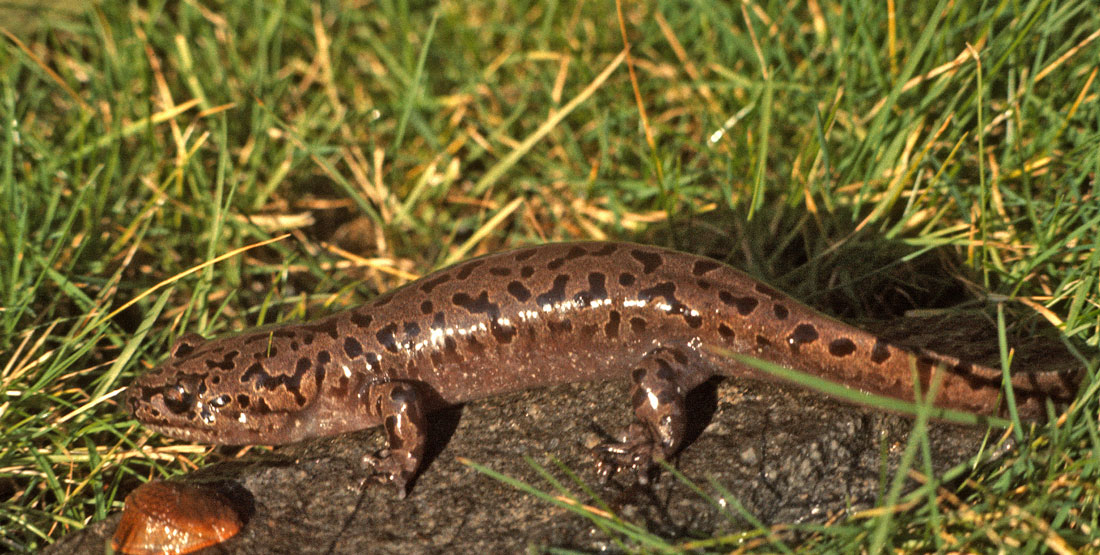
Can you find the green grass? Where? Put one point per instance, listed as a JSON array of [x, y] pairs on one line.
[[830, 146]]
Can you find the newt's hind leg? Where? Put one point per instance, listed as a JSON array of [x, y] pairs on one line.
[[661, 381]]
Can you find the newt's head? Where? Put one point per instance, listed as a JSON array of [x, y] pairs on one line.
[[236, 390]]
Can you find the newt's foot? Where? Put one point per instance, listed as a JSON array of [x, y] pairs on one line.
[[638, 454], [389, 467]]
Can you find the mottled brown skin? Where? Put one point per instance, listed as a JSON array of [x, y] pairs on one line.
[[535, 317]]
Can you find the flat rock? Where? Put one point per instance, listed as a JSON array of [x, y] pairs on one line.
[[787, 455]]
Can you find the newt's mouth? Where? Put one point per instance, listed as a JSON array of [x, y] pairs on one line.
[[185, 432]]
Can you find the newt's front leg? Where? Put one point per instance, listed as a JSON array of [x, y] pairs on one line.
[[401, 410], [657, 432]]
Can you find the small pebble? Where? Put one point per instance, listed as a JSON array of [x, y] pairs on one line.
[[171, 517]]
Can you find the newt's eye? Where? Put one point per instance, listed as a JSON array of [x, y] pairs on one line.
[[175, 393], [178, 400]]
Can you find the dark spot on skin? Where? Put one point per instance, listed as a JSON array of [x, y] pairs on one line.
[[500, 271], [437, 358], [802, 335], [667, 291], [564, 326], [324, 357], [780, 311], [744, 305], [292, 384], [555, 294], [426, 307], [328, 327], [360, 319], [257, 337], [703, 266], [582, 299], [412, 329], [611, 328], [650, 260], [226, 362], [880, 352], [841, 347], [256, 369], [480, 305], [638, 375], [596, 290], [467, 269], [637, 325], [341, 388], [762, 341], [352, 348], [626, 280], [805, 333], [386, 337], [215, 379], [294, 346], [262, 406], [703, 284], [431, 284], [439, 321], [605, 250], [183, 348], [382, 301], [243, 400], [576, 251], [555, 264], [503, 334], [525, 254], [474, 346], [772, 293], [527, 271], [596, 286], [725, 331], [517, 290], [303, 365]]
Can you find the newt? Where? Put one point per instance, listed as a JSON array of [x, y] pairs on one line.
[[535, 317]]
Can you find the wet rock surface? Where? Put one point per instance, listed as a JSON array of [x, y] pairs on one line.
[[787, 454]]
